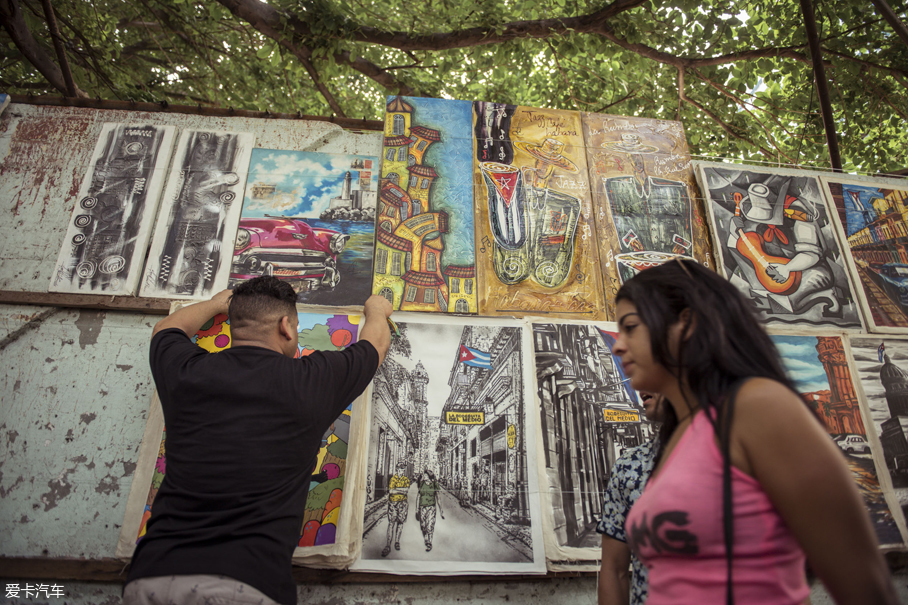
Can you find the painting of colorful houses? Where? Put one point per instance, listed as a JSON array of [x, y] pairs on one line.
[[424, 253]]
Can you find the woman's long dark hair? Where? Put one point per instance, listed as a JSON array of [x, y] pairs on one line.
[[726, 345]]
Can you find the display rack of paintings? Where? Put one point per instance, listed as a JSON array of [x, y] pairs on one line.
[[104, 247], [196, 227], [451, 484], [537, 252], [329, 535], [309, 219], [881, 365], [644, 195], [775, 241], [872, 218], [820, 370], [424, 251], [589, 415]]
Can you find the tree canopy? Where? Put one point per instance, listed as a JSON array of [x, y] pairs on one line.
[[737, 73]]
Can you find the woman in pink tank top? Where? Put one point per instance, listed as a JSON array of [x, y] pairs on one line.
[[748, 482]]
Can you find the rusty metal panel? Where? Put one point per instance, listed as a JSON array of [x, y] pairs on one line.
[[74, 394], [45, 152]]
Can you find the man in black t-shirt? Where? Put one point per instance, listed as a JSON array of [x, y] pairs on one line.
[[243, 431]]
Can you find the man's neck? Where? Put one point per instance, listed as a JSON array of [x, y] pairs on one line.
[[263, 344]]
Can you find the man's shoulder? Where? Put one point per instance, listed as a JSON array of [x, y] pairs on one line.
[[640, 456]]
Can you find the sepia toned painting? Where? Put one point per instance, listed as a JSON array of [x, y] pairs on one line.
[[536, 246], [645, 202]]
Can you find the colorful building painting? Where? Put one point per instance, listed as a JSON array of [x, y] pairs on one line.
[[425, 211]]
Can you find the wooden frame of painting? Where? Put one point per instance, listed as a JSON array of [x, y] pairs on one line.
[[762, 218], [870, 217]]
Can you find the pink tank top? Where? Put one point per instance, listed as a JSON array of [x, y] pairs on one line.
[[676, 530]]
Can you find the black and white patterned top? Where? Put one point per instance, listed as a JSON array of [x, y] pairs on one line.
[[626, 483]]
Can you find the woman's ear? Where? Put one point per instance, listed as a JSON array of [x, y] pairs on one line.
[[687, 318]]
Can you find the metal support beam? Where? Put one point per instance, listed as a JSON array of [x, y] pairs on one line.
[[58, 46], [819, 72]]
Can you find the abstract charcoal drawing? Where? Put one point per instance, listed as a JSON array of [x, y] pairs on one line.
[[424, 252], [873, 219], [309, 219], [191, 251], [108, 235], [537, 249], [451, 477], [589, 415], [642, 182], [882, 365], [326, 489], [819, 368], [777, 244]]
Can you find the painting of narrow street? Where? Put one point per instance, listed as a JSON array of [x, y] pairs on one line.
[[451, 478]]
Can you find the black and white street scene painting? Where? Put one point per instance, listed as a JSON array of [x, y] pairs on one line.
[[451, 479]]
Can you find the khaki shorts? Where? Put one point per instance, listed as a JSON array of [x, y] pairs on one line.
[[192, 590]]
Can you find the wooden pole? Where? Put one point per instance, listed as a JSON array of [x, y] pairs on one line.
[[892, 19], [58, 46], [819, 72]]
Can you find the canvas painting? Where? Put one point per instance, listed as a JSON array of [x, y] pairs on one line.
[[644, 197], [104, 248], [589, 415], [309, 219], [775, 240], [451, 478], [424, 252], [537, 251], [819, 368], [196, 227], [328, 510], [873, 227], [882, 366]]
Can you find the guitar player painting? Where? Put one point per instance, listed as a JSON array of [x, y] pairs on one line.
[[773, 237]]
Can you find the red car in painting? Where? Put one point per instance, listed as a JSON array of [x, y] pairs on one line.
[[289, 249]]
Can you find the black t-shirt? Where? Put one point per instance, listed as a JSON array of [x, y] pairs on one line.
[[243, 431]]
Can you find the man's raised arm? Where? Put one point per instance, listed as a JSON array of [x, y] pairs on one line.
[[190, 319], [377, 310]]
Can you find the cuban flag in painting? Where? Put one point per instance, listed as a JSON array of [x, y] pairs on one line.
[[475, 357]]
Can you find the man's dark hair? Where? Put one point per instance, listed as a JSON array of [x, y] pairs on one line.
[[260, 300]]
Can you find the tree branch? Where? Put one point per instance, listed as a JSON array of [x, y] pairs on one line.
[[725, 126], [13, 22], [892, 19]]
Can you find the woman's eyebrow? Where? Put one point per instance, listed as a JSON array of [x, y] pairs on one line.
[[625, 316]]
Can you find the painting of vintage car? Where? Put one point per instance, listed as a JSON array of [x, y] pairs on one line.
[[289, 249], [894, 280]]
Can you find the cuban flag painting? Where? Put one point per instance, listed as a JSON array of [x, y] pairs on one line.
[[475, 357]]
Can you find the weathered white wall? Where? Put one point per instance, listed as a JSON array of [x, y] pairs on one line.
[[45, 152]]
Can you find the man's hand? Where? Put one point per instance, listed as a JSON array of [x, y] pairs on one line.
[[378, 305], [222, 299], [377, 331]]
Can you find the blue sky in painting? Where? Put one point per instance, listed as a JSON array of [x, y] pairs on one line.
[[306, 181], [452, 159], [799, 357], [854, 216]]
